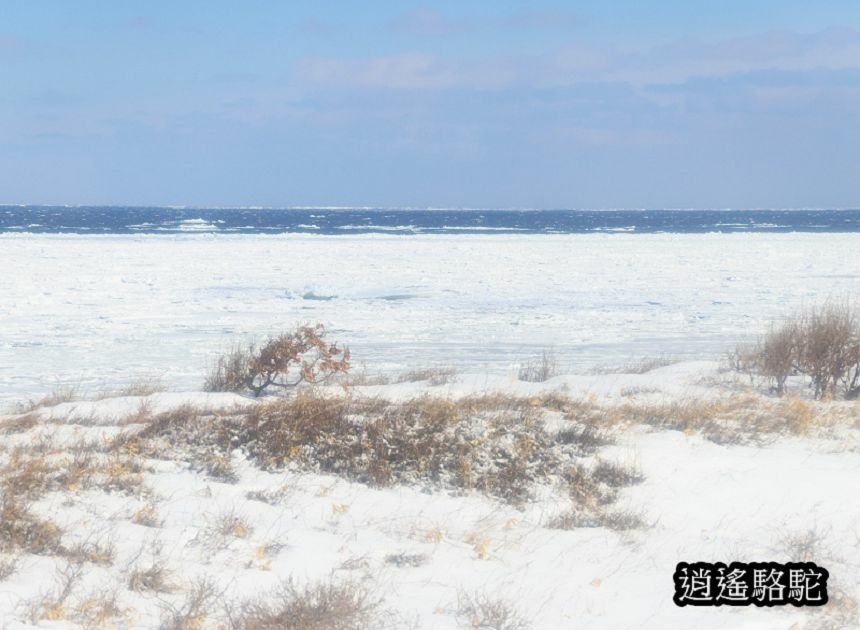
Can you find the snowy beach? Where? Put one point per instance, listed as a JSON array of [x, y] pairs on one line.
[[97, 312], [126, 514]]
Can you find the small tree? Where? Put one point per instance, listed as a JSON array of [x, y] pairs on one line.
[[302, 355], [821, 343], [775, 357], [829, 350]]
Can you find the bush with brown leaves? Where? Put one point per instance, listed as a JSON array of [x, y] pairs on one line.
[[302, 355]]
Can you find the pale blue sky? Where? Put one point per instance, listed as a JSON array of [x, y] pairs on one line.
[[511, 104]]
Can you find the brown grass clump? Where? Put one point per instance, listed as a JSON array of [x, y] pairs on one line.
[[146, 516], [99, 610], [482, 611], [155, 579], [324, 606], [457, 444], [90, 552], [737, 419], [21, 530], [232, 524], [19, 424]]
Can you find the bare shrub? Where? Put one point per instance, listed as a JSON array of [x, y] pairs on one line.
[[830, 348], [805, 546], [822, 343], [540, 369], [302, 355], [194, 610], [52, 607], [323, 606], [482, 611]]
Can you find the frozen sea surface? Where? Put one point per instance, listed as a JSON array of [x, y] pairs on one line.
[[98, 311]]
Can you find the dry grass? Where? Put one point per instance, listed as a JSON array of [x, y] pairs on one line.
[[324, 606], [614, 519], [639, 366], [100, 610], [19, 424], [21, 530], [492, 444], [270, 497], [539, 369], [434, 376], [482, 611], [194, 610], [155, 578], [8, 566], [402, 560], [52, 606], [94, 553], [230, 524], [146, 516], [60, 394], [737, 419], [139, 387]]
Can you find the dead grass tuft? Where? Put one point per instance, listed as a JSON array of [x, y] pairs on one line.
[[230, 524], [434, 376], [482, 611], [193, 612], [324, 606], [21, 530], [155, 579], [19, 424], [59, 395]]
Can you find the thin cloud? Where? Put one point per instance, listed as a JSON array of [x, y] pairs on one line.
[[408, 71], [548, 19], [425, 22]]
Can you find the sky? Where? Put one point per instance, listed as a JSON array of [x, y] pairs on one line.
[[622, 104]]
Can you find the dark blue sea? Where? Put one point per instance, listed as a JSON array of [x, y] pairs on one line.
[[141, 220]]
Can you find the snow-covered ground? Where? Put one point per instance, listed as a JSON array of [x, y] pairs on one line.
[[423, 552], [98, 311]]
